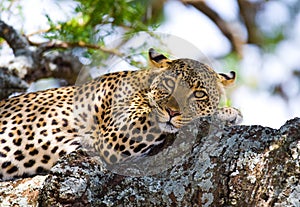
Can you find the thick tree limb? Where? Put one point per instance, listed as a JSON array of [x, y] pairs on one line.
[[25, 58], [237, 166], [10, 83], [32, 64], [17, 42]]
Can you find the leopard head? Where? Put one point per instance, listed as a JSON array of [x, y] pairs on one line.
[[184, 90]]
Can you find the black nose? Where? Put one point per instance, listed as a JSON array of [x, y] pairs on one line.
[[172, 113]]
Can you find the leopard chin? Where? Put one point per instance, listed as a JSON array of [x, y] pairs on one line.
[[168, 127]]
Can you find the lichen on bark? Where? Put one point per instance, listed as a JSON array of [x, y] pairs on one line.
[[235, 166], [231, 166]]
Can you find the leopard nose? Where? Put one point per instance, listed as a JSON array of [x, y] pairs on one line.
[[172, 112]]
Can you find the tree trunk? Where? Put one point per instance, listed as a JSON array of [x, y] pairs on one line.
[[233, 166]]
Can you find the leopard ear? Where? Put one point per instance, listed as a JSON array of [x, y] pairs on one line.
[[226, 79], [158, 59]]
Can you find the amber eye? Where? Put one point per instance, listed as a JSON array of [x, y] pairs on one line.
[[169, 83], [200, 94]]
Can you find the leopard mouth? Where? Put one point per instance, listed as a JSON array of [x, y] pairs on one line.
[[168, 122]]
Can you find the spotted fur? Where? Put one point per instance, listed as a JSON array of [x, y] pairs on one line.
[[121, 115]]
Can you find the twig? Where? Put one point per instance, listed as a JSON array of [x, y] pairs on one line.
[[55, 44], [38, 32]]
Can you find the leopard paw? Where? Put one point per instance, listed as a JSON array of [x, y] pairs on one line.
[[229, 115]]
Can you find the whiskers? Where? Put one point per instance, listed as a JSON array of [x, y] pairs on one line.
[[185, 120], [161, 113]]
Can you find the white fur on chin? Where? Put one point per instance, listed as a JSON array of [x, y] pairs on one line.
[[166, 127]]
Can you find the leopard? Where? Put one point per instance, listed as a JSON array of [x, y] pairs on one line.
[[120, 115]]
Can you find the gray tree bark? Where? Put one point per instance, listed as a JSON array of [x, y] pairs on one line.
[[231, 166], [32, 63], [238, 166]]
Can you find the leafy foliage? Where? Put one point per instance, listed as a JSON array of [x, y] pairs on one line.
[[101, 18]]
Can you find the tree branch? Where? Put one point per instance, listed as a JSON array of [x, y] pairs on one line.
[[60, 65], [224, 27], [237, 166], [248, 13], [57, 44], [10, 83], [31, 65], [17, 42]]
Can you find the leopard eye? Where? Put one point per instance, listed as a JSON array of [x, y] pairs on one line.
[[200, 94], [169, 83]]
